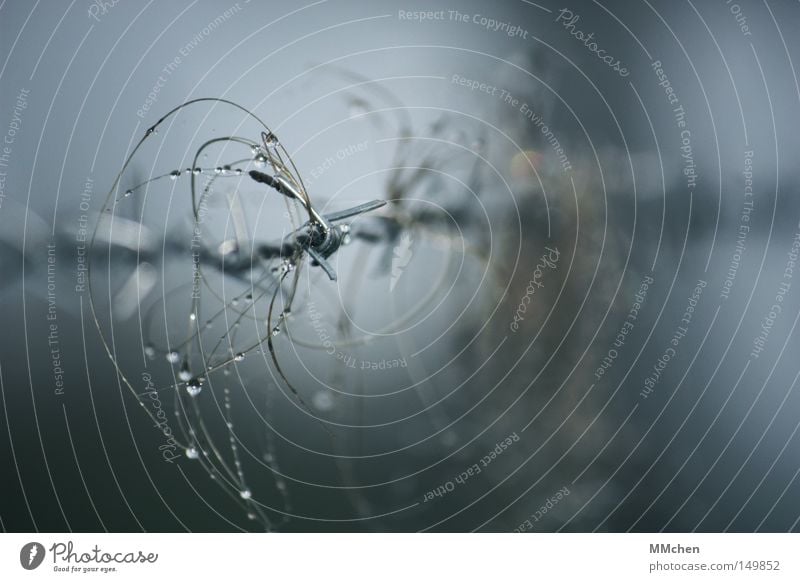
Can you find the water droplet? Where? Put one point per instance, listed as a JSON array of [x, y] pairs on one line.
[[238, 171], [245, 494], [198, 171], [191, 453], [173, 357], [251, 516], [271, 140], [188, 170], [128, 193], [217, 170], [254, 149], [185, 374], [149, 351], [238, 357], [322, 400], [249, 297], [194, 387], [276, 330], [260, 159], [285, 267], [173, 175], [192, 317]]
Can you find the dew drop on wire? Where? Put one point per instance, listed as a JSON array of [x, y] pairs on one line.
[[271, 140], [238, 357], [185, 374], [191, 453], [149, 351], [194, 387], [245, 494], [173, 357], [174, 175]]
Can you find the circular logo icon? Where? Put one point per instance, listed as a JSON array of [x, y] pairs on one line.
[[31, 555]]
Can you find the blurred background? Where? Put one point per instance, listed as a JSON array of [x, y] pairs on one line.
[[576, 311]]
